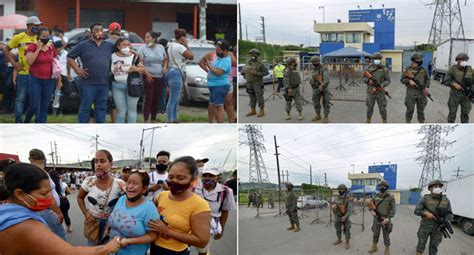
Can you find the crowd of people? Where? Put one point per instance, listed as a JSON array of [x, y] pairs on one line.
[[181, 204], [110, 74]]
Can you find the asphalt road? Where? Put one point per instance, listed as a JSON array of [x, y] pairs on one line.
[[267, 235], [225, 246], [351, 111]]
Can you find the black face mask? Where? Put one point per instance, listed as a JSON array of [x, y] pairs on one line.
[[135, 198], [383, 189], [161, 167], [177, 188], [341, 192], [316, 65], [221, 55], [419, 63], [44, 40]]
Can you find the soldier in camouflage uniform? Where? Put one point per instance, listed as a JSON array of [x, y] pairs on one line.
[[381, 76], [259, 200], [385, 206], [291, 208], [291, 82], [319, 90], [271, 203], [251, 200], [460, 88], [433, 202], [416, 95], [342, 211], [253, 72]]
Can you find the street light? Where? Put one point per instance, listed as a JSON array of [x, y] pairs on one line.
[[353, 168], [322, 7]]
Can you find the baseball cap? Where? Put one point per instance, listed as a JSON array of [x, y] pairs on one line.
[[127, 168], [37, 154], [223, 44], [33, 20], [204, 160], [115, 26], [212, 170]]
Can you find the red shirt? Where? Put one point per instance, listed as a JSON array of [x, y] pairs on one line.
[[42, 68]]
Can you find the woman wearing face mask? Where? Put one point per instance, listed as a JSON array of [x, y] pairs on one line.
[[122, 65], [154, 57], [131, 215], [184, 216], [101, 191], [28, 192], [40, 58], [178, 52]]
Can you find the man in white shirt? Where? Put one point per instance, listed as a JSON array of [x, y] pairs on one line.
[[158, 177]]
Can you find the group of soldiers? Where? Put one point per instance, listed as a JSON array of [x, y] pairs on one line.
[[376, 76], [434, 209], [256, 200]]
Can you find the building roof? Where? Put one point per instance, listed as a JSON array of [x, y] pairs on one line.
[[348, 51], [343, 27], [364, 176]]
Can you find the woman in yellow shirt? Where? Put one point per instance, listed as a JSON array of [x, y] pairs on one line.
[[184, 216]]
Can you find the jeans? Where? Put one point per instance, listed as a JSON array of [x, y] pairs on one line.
[[40, 93], [52, 220], [96, 94], [174, 80], [8, 90], [22, 85], [126, 105], [163, 98]]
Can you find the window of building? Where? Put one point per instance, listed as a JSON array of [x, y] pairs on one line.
[[25, 5], [353, 38], [340, 37], [332, 37]]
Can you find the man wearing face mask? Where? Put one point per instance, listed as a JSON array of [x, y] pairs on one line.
[[253, 72], [221, 201], [21, 42], [53, 215], [291, 201], [96, 55], [381, 76], [417, 88], [291, 82], [459, 78], [158, 178], [342, 209], [319, 80], [384, 204], [431, 208]]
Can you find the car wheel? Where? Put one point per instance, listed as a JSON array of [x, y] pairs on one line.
[[184, 98], [468, 226]]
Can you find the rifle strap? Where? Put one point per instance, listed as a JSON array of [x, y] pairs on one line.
[[464, 76], [377, 206]]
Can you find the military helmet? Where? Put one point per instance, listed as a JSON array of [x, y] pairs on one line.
[[435, 182], [289, 184], [383, 183], [462, 56], [315, 59], [377, 55], [416, 55], [341, 187], [291, 60], [254, 51]]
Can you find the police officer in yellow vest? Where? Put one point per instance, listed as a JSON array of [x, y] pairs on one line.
[[278, 73]]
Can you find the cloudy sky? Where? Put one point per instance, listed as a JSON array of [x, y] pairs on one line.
[[123, 141], [333, 149], [291, 22]]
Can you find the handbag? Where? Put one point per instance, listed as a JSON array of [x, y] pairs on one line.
[[56, 68], [135, 84], [183, 73], [91, 228]]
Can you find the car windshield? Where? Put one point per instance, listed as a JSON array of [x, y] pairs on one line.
[[199, 52]]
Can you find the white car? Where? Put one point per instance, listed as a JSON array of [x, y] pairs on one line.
[[266, 79], [307, 202]]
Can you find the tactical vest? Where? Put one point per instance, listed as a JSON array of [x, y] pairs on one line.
[[253, 65], [457, 73], [289, 199], [431, 202], [294, 79], [315, 72], [342, 202], [378, 73], [383, 206], [420, 76]]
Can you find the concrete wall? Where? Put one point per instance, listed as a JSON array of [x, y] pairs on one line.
[[397, 60], [8, 8]]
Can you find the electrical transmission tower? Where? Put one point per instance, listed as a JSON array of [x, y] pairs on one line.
[[447, 22], [431, 144], [257, 170]]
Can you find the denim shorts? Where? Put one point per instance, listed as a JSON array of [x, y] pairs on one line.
[[217, 94]]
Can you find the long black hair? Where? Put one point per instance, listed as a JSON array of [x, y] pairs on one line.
[[57, 181], [190, 163], [26, 177]]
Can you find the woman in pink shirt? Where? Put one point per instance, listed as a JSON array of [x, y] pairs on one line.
[[40, 57]]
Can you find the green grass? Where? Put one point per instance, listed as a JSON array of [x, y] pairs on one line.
[[72, 118]]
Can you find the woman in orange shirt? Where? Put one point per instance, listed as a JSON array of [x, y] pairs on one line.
[[184, 216]]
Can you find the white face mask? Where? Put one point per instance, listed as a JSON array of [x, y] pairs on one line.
[[437, 191], [125, 50], [150, 43], [201, 169], [377, 61], [463, 63]]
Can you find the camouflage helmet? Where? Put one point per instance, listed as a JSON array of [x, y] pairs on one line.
[[254, 51], [289, 184], [315, 59], [377, 55], [416, 55], [383, 183], [462, 56], [290, 60], [341, 187], [435, 182]]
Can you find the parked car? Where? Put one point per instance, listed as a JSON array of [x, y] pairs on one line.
[[75, 35], [266, 79], [307, 202]]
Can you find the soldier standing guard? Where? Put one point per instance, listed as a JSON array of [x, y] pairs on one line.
[[291, 82], [319, 80], [254, 71], [459, 78], [291, 208], [379, 79], [342, 211]]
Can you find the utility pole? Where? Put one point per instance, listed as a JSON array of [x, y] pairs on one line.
[[202, 20], [141, 156], [240, 23], [246, 33], [226, 158], [325, 180], [263, 29], [415, 42], [278, 170], [287, 176], [52, 155], [457, 175], [310, 175], [324, 16], [56, 152]]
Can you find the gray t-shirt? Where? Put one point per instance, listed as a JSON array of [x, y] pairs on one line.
[[153, 59]]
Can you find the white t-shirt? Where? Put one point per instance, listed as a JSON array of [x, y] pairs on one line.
[[63, 61], [154, 178], [120, 66], [63, 189], [175, 53], [53, 191], [96, 198]]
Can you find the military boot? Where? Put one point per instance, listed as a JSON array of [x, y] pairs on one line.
[[347, 245], [384, 120], [251, 112], [291, 228], [317, 117], [326, 118], [407, 121], [369, 119], [338, 241], [297, 229], [387, 250], [288, 116], [300, 116], [374, 248], [261, 113], [421, 121]]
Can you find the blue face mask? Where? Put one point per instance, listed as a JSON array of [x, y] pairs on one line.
[[34, 30]]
